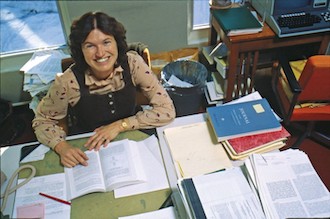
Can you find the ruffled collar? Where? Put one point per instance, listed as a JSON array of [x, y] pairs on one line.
[[90, 79]]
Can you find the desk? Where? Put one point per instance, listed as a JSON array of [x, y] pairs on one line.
[[104, 205], [244, 54]]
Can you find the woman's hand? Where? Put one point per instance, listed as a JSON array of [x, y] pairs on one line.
[[70, 156], [103, 135]]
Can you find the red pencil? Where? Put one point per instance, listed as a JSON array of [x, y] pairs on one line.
[[54, 198]]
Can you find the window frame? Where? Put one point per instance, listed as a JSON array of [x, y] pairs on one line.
[[24, 52], [197, 35]]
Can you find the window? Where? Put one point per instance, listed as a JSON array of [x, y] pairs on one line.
[[23, 25], [201, 14]]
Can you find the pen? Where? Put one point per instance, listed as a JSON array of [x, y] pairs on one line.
[[54, 198]]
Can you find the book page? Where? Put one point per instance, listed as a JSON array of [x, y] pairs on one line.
[[121, 164], [227, 194], [54, 185], [154, 169], [85, 179], [289, 186]]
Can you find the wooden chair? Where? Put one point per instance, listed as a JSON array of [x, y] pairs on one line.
[[302, 90]]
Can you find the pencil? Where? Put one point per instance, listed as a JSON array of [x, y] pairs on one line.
[[55, 199]]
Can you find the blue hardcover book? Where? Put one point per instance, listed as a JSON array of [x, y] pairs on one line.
[[242, 119]]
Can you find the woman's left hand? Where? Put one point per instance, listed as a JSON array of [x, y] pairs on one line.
[[103, 135]]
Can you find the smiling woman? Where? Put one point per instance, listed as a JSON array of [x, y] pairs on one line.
[[21, 28], [99, 91]]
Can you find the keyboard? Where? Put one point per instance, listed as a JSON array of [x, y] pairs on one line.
[[296, 20]]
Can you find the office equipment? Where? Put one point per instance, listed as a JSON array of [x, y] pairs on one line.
[[303, 93], [293, 18], [237, 21], [242, 119], [55, 198]]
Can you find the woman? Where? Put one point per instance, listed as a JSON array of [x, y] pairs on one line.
[[100, 89]]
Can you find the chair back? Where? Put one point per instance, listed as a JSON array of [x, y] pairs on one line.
[[315, 79]]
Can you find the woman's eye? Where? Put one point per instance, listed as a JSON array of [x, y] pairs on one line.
[[88, 46], [107, 43]]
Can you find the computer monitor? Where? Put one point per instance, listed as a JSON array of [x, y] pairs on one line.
[[287, 18]]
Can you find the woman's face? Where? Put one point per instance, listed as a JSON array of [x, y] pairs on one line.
[[100, 52]]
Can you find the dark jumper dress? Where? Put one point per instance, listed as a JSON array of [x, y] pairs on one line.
[[94, 110]]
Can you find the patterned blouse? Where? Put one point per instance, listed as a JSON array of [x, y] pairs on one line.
[[65, 90]]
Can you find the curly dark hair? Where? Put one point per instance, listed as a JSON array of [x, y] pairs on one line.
[[80, 29]]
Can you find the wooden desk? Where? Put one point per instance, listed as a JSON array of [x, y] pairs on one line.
[[244, 54]]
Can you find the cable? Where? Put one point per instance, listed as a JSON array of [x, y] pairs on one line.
[[8, 190]]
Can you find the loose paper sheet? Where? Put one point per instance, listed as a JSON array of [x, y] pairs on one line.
[[54, 185], [194, 151]]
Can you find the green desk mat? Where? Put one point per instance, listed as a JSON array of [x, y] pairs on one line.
[[102, 205]]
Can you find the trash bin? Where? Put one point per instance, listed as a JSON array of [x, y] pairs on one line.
[[187, 98]]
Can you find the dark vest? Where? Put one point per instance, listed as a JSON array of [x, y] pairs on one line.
[[93, 110]]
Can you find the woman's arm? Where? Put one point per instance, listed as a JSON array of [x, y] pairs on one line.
[[162, 109]]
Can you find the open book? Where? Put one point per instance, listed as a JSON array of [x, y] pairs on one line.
[[117, 165]]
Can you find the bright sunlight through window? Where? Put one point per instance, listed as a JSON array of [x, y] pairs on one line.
[[29, 25]]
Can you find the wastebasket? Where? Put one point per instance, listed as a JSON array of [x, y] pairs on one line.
[[187, 99]]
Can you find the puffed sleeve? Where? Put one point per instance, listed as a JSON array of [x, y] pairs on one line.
[[53, 107], [162, 109]]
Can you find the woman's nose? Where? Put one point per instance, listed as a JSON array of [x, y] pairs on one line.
[[100, 51]]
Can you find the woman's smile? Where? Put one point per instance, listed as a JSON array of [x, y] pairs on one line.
[[101, 52]]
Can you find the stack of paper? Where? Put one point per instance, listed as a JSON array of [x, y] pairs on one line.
[[211, 52], [214, 91], [274, 185], [242, 147], [40, 71], [288, 185], [224, 194], [243, 138]]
